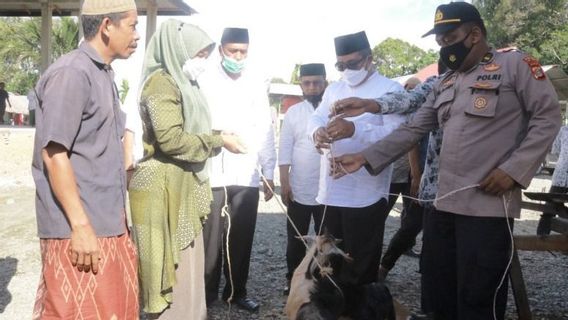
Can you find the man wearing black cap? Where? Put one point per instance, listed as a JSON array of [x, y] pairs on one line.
[[299, 164], [356, 204], [239, 105], [499, 115]]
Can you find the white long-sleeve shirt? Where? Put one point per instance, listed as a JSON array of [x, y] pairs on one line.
[[241, 107], [298, 151], [358, 189]]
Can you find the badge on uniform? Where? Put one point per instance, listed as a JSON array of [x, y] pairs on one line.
[[487, 57], [482, 85], [480, 103], [535, 67], [491, 67]]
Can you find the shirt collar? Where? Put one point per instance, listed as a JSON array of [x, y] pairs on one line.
[[93, 54]]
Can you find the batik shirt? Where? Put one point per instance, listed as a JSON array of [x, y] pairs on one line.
[[408, 102], [560, 147]]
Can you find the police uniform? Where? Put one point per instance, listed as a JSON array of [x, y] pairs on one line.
[[502, 113]]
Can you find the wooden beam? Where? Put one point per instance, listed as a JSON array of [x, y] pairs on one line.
[[559, 225], [542, 243], [551, 207]]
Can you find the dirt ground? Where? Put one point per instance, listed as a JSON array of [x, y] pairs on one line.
[[545, 272]]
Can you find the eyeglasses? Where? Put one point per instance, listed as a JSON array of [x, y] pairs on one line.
[[351, 65], [315, 83]]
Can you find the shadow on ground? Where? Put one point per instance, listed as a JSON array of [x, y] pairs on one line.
[[8, 268]]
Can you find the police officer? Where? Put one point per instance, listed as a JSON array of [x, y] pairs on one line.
[[499, 115]]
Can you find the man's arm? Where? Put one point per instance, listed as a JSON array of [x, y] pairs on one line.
[[415, 172], [541, 104], [393, 102], [382, 153], [286, 188], [84, 251], [267, 153], [317, 125], [285, 151]]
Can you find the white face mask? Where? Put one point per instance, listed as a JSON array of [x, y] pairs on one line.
[[192, 68], [354, 77]]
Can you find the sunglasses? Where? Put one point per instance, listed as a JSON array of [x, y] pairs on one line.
[[351, 65]]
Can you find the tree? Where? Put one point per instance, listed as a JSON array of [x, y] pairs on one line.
[[124, 88], [395, 58], [295, 77], [20, 50], [535, 26]]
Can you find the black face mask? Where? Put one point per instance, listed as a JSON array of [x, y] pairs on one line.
[[314, 99], [453, 56]]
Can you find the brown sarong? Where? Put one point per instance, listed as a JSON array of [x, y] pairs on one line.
[[66, 293]]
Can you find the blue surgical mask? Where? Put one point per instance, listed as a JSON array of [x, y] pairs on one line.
[[232, 65]]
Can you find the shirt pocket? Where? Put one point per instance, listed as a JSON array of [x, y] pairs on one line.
[[484, 98], [443, 103]]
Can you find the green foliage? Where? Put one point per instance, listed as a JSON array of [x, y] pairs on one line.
[[123, 92], [395, 58], [20, 50], [538, 27], [295, 78]]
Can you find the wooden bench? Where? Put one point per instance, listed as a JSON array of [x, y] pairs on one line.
[[554, 204]]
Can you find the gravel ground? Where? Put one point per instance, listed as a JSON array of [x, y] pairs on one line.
[[544, 272]]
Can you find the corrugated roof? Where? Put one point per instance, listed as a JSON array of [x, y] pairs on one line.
[[24, 8]]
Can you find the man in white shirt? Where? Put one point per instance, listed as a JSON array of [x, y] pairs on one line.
[[239, 105], [299, 164], [356, 204]]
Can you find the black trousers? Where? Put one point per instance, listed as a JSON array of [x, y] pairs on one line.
[[410, 225], [301, 215], [362, 232], [2, 111], [243, 209], [462, 263]]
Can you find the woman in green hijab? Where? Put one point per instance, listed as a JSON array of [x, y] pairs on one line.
[[169, 192]]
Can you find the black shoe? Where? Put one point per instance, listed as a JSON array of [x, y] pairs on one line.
[[246, 304]]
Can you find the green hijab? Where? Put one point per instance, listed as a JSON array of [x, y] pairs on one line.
[[169, 48]]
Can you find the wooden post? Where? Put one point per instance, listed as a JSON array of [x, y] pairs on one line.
[[151, 18], [519, 289], [81, 33], [46, 15]]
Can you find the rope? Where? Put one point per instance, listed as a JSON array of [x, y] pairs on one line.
[[506, 207], [225, 213], [300, 236]]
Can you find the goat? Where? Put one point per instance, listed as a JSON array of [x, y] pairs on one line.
[[316, 292]]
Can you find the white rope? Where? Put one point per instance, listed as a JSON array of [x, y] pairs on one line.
[[506, 207], [300, 236], [225, 213]]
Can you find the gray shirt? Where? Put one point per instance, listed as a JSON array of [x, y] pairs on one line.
[[79, 109]]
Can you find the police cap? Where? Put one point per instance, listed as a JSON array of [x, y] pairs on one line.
[[452, 15]]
